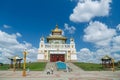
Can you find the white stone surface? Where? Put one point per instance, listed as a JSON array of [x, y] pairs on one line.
[[73, 57], [40, 56]]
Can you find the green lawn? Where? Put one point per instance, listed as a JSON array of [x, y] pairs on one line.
[[34, 66], [89, 66], [4, 67], [93, 67], [37, 66]]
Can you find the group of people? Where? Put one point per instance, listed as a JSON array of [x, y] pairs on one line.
[[50, 70]]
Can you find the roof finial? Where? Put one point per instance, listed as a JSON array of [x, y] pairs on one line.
[[56, 26]]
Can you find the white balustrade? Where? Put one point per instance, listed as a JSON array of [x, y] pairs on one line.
[[57, 46]]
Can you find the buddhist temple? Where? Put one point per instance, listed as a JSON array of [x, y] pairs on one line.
[[56, 48]]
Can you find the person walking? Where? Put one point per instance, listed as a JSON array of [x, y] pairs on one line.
[[48, 71], [52, 70], [28, 70]]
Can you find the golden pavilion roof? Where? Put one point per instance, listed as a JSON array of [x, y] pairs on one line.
[[15, 57], [106, 57]]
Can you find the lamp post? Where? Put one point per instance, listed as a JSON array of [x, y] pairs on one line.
[[24, 63]]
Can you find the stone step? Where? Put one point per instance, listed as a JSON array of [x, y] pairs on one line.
[[74, 67], [51, 64], [71, 65]]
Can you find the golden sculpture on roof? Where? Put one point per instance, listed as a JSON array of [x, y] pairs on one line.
[[56, 29]]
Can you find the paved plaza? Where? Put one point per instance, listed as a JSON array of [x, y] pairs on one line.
[[61, 75]]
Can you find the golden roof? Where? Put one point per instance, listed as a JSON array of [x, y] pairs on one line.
[[56, 29], [58, 36], [15, 57], [106, 57]]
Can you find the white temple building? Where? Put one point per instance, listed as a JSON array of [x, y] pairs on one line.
[[56, 48]]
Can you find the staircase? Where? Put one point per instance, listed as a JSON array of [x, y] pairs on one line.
[[74, 67], [71, 65], [50, 64]]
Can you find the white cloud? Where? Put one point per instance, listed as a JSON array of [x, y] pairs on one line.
[[63, 33], [6, 38], [116, 56], [99, 34], [116, 40], [6, 26], [85, 55], [70, 29], [88, 9], [18, 34], [106, 38], [74, 0], [118, 27], [116, 44], [10, 46]]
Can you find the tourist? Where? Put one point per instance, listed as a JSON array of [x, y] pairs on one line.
[[67, 69], [28, 70], [48, 71], [52, 70]]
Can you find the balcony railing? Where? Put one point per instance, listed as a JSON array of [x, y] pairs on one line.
[[57, 46]]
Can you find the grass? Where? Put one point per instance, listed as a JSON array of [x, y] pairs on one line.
[[40, 66], [35, 66], [93, 67], [89, 66], [4, 67]]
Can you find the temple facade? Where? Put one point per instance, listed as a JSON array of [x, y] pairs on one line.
[[56, 48]]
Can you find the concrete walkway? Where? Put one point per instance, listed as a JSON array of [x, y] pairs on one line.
[[61, 75]]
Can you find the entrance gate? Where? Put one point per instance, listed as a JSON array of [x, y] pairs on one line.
[[57, 57]]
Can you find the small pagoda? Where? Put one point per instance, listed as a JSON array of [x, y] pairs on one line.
[[107, 62], [15, 62]]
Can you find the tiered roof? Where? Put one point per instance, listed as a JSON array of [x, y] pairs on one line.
[[56, 35]]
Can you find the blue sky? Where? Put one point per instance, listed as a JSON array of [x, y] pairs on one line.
[[94, 24]]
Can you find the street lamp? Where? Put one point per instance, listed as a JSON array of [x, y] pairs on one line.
[[24, 63]]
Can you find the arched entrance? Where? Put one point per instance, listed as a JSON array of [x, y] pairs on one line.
[[57, 57]]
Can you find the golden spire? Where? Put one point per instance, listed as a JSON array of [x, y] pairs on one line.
[[56, 29], [56, 26]]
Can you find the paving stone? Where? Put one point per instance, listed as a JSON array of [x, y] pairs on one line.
[[39, 75]]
